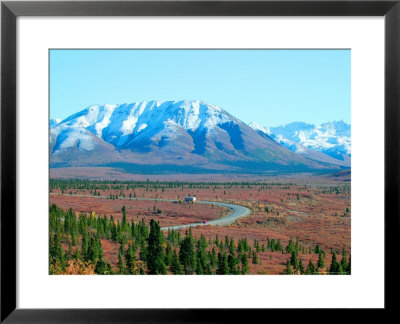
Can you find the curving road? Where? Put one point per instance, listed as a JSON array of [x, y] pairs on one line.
[[237, 211]]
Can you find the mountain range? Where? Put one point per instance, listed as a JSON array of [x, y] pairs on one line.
[[190, 134], [329, 142]]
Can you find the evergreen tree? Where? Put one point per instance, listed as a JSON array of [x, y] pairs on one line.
[[310, 268], [168, 254], [272, 245], [213, 258], [101, 267], [155, 255], [232, 248], [301, 267], [130, 260], [320, 263], [344, 252], [121, 265], [344, 264], [56, 251], [93, 251], [232, 262], [187, 254], [279, 245], [175, 265], [143, 251], [290, 247], [294, 260], [245, 264], [216, 240], [334, 267], [255, 258], [124, 220], [85, 245], [223, 266], [202, 262], [288, 268]]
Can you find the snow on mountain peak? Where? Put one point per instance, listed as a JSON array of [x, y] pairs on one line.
[[54, 122], [258, 127], [331, 138], [185, 131], [117, 124]]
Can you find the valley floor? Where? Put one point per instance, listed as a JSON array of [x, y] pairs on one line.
[[312, 210]]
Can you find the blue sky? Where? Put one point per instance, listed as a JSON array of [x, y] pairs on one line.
[[271, 87]]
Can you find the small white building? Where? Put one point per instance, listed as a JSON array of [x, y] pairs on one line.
[[190, 199]]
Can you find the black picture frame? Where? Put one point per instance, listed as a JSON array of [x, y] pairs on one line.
[[10, 10]]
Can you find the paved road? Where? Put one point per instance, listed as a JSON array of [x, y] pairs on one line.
[[236, 211]]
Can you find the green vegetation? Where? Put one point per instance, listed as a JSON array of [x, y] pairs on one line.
[[294, 265], [142, 249]]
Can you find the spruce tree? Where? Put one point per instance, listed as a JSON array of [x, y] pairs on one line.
[[121, 265], [232, 248], [187, 254], [130, 260], [290, 247], [124, 220], [213, 258], [294, 260], [245, 264], [168, 254], [297, 247], [232, 262], [320, 263], [344, 252], [93, 251], [288, 268], [310, 268], [334, 267], [175, 265], [202, 262], [85, 245], [155, 255], [143, 251], [223, 266], [279, 245], [255, 258], [344, 264], [101, 267], [301, 267]]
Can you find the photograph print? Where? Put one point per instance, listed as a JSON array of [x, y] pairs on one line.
[[199, 162]]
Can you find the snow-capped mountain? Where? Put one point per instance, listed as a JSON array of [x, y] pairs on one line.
[[260, 128], [332, 139], [54, 122], [188, 132]]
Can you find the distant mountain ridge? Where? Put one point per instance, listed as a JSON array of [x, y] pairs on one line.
[[186, 133], [54, 122], [331, 139]]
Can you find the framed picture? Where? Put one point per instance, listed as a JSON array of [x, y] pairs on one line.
[[160, 158]]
